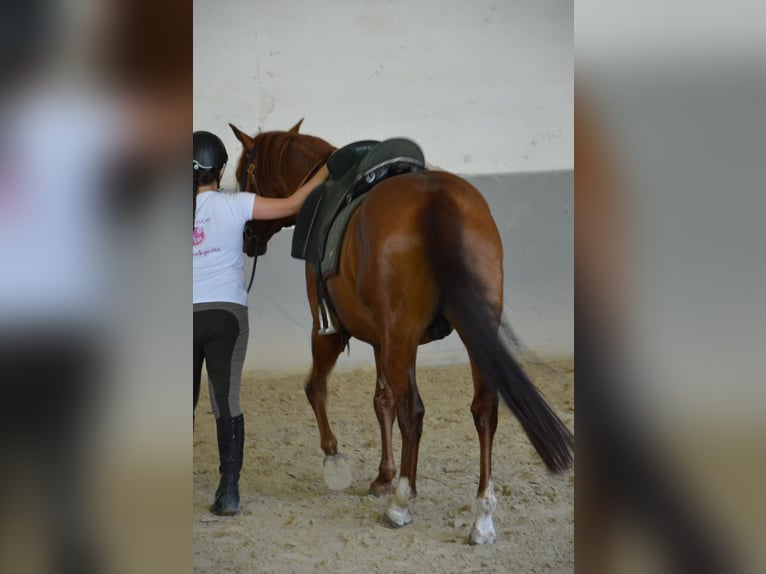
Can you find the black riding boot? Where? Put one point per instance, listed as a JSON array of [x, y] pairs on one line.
[[231, 442]]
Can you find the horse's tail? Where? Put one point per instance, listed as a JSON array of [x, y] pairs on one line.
[[467, 305]]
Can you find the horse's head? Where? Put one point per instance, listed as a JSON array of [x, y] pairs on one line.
[[275, 164]]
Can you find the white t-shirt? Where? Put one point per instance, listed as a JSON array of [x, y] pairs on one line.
[[217, 246]]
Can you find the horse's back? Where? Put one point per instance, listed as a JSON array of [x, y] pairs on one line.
[[411, 205], [406, 196]]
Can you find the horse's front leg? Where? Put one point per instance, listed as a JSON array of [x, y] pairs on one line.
[[324, 351]]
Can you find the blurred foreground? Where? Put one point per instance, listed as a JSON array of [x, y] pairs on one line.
[[670, 275], [95, 109]]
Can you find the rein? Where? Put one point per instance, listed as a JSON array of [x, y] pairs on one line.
[[313, 171], [255, 262], [248, 173]]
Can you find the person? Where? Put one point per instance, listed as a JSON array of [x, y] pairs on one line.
[[220, 298]]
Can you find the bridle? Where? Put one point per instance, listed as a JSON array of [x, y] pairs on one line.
[[248, 174]]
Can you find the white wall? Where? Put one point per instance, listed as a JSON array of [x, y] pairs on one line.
[[484, 86]]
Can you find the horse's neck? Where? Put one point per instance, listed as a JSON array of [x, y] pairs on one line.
[[288, 161]]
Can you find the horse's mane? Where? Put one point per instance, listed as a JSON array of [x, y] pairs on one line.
[[273, 152]]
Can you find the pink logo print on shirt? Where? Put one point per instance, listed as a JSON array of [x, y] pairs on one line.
[[199, 236]]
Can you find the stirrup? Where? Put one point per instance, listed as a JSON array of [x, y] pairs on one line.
[[326, 319]]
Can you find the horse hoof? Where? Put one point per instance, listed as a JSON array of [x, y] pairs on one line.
[[483, 531], [337, 472], [476, 538], [381, 489], [396, 518]]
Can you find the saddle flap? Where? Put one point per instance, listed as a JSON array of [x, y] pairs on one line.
[[302, 247]]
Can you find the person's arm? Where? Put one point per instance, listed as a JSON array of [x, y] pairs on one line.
[[276, 208]]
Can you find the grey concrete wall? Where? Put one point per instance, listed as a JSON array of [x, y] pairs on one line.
[[534, 213]]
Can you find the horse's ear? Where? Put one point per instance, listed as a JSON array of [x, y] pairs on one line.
[[244, 139], [296, 127]]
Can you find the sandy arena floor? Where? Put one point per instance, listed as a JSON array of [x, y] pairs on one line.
[[291, 522]]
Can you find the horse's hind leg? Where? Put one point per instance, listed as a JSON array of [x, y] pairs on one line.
[[325, 350], [484, 410], [398, 370], [386, 413]]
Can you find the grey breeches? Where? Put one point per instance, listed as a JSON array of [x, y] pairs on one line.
[[220, 341]]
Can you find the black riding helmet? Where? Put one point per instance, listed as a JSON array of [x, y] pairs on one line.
[[209, 151]]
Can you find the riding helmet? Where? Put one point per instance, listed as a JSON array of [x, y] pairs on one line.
[[209, 151]]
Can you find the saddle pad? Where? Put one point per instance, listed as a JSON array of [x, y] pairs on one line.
[[331, 257]]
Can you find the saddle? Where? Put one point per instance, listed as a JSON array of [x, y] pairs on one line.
[[354, 170]]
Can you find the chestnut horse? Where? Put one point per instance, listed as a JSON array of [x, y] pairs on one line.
[[420, 256]]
